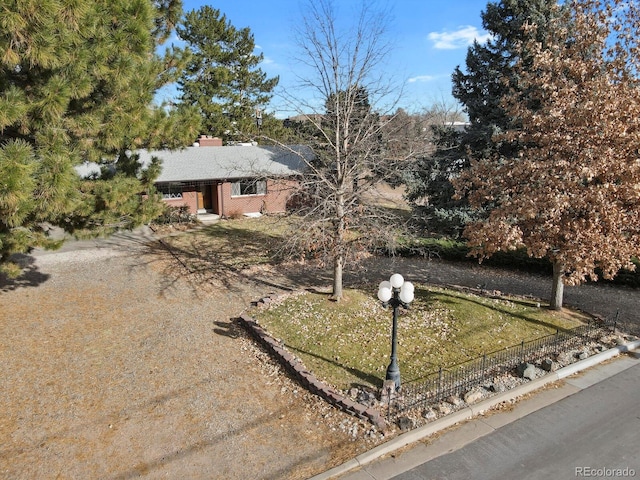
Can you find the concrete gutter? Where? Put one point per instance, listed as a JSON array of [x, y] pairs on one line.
[[472, 411]]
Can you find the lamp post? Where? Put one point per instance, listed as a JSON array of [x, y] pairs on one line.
[[395, 293]]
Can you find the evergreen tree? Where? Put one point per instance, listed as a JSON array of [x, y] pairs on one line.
[[428, 186], [490, 70], [76, 84], [223, 79], [489, 76]]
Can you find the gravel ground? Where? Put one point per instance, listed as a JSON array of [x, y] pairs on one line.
[[115, 367], [118, 364]]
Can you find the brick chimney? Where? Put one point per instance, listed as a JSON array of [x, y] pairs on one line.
[[208, 141]]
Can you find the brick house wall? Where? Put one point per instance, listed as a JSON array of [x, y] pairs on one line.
[[189, 199], [274, 201]]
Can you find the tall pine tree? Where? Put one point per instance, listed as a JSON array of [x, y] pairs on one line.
[[76, 84], [489, 76], [223, 79], [490, 69]]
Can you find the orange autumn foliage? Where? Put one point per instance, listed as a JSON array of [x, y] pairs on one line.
[[572, 194]]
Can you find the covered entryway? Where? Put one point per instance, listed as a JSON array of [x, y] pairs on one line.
[[208, 211], [205, 199]]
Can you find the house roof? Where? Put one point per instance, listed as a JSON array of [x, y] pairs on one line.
[[219, 163]]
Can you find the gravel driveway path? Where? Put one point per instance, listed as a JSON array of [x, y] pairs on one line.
[[113, 367], [117, 365]]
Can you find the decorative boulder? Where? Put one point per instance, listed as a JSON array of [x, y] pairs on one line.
[[526, 370], [497, 387], [472, 396], [405, 423], [547, 365], [429, 414]]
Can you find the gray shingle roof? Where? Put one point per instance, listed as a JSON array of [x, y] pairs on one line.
[[219, 163]]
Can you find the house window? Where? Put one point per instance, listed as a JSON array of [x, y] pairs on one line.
[[248, 187], [169, 190]]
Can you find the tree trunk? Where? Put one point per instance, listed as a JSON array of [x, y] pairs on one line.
[[557, 289], [338, 261], [337, 278]]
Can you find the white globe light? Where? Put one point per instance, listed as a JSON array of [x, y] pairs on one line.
[[384, 294], [408, 286], [406, 296], [396, 280], [384, 284]]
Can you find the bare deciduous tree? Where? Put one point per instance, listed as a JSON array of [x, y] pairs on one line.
[[572, 194], [345, 100]]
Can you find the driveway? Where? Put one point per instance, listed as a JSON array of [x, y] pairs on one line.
[[115, 365]]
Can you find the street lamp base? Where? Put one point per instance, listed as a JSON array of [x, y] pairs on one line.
[[393, 373]]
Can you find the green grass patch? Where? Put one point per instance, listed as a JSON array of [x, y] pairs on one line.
[[348, 343]]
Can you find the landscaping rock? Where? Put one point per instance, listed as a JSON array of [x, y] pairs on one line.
[[405, 423], [497, 387], [564, 358], [444, 408], [388, 392], [527, 370], [547, 365], [472, 396], [429, 414], [367, 398], [454, 400], [582, 355]]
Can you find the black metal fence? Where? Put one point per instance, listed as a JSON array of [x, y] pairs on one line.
[[459, 379]]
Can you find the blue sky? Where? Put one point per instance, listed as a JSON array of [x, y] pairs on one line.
[[430, 38]]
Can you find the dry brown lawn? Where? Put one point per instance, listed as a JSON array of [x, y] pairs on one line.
[[118, 364]]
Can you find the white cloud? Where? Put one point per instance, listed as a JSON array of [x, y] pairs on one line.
[[461, 38], [421, 78]]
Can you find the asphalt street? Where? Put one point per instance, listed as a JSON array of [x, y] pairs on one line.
[[594, 433]]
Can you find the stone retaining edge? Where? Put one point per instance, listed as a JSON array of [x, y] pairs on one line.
[[309, 380]]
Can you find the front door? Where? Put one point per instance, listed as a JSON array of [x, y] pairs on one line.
[[200, 200], [204, 198]]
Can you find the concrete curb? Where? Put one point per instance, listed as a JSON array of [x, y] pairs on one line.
[[472, 411]]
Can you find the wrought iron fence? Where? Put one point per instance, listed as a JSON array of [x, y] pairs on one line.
[[459, 379]]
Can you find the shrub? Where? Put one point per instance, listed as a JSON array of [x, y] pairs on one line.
[[173, 215]]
